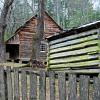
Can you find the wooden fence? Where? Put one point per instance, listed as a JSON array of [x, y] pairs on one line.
[[25, 84]]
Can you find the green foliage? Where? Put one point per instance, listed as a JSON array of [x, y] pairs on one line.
[[73, 13], [67, 13], [7, 36], [20, 13]]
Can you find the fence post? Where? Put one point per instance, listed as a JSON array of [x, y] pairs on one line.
[[2, 84], [24, 84], [33, 86], [16, 84], [9, 84], [72, 87], [62, 86], [96, 84], [84, 87], [52, 85], [42, 85]]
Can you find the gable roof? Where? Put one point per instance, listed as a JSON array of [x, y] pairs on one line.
[[83, 28], [34, 17]]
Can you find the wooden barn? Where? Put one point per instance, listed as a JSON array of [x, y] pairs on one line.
[[19, 46], [75, 48]]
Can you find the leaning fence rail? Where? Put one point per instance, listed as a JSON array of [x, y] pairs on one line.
[[26, 84]]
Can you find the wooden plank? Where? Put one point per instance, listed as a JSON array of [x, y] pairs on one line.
[[78, 64], [79, 71], [24, 85], [2, 84], [62, 86], [99, 43], [77, 46], [9, 84], [72, 87], [84, 87], [52, 85], [48, 55], [42, 86], [73, 36], [73, 59], [96, 89], [33, 86], [75, 52], [16, 84], [76, 41]]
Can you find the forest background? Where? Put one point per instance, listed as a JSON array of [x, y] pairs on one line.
[[67, 13]]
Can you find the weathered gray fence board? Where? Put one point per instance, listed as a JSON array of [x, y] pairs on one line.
[[9, 84], [74, 37], [16, 85], [42, 86], [72, 87], [33, 86], [84, 87], [62, 86], [2, 84], [68, 83], [96, 84], [52, 85], [24, 85]]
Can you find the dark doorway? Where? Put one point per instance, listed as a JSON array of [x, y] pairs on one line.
[[13, 51]]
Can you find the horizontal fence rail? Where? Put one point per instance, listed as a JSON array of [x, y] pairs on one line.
[[25, 84]]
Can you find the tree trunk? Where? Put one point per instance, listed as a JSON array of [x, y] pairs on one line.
[[40, 26], [2, 46], [3, 17], [38, 37]]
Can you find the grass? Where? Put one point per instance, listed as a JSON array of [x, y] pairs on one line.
[[12, 64]]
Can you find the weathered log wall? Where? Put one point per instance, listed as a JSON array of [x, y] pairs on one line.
[[26, 35], [75, 51]]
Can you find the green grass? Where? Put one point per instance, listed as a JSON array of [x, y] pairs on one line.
[[12, 64]]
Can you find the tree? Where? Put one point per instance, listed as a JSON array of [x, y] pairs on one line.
[[74, 13], [20, 13], [67, 13], [38, 37], [3, 17]]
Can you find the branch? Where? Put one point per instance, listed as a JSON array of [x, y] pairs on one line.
[[8, 3], [0, 8], [29, 6]]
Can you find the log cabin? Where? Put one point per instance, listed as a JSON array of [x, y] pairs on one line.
[[19, 46], [75, 48]]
